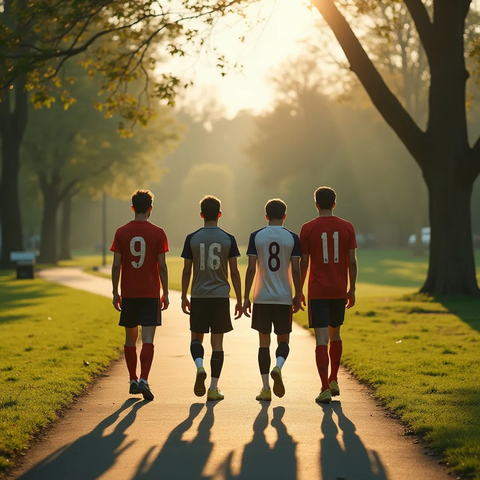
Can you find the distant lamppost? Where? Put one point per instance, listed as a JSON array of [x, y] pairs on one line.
[[104, 229]]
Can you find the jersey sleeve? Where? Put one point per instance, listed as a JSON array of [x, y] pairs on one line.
[[305, 249], [352, 244], [187, 249], [116, 246], [297, 250], [252, 248], [162, 243], [234, 252]]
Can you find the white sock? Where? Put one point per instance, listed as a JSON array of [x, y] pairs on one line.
[[133, 381], [213, 384], [199, 362], [142, 380], [265, 380], [280, 362]]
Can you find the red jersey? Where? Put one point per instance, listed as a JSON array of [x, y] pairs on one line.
[[327, 240], [140, 242]]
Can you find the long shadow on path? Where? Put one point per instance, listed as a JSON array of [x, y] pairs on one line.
[[259, 460], [180, 459], [91, 455], [350, 461]]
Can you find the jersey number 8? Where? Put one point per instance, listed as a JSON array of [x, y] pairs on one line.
[[274, 259], [138, 253]]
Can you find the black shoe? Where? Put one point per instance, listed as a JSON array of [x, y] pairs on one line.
[[144, 389], [133, 388]]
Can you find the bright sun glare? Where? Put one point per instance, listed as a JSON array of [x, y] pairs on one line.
[[267, 45]]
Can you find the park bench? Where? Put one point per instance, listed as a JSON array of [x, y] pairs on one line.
[[25, 264]]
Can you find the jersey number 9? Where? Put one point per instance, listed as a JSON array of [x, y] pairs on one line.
[[138, 253]]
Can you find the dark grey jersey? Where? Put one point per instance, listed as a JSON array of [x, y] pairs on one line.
[[210, 248]]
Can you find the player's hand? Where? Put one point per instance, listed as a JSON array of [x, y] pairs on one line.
[[165, 302], [247, 307], [350, 298], [297, 304], [304, 303], [117, 302], [186, 306], [238, 310]]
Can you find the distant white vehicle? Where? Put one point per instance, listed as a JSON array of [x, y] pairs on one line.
[[412, 239]]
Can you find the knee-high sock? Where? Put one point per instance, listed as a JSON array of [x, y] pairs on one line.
[[216, 364], [131, 360], [146, 359], [264, 362], [282, 353], [197, 351], [321, 355], [336, 348]]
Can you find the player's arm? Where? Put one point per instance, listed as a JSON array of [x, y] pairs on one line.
[[186, 275], [237, 286], [297, 284], [249, 276], [116, 268], [303, 273], [352, 273], [163, 271]]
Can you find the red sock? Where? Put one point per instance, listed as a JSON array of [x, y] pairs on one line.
[[131, 359], [336, 348], [146, 359], [321, 355]]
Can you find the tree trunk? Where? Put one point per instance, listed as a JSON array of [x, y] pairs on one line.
[[48, 244], [65, 249], [452, 264], [12, 128]]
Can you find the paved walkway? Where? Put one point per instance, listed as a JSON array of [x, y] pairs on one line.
[[109, 435]]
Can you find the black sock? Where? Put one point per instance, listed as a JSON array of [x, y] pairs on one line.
[[282, 350], [216, 364], [196, 349], [264, 360]]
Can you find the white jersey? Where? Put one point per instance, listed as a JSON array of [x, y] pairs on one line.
[[274, 247]]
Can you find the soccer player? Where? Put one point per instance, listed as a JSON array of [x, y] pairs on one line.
[[328, 242], [277, 253], [210, 251], [139, 249]]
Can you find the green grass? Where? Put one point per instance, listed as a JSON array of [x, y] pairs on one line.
[[47, 332], [423, 358]]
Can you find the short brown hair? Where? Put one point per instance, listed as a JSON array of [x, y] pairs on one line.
[[142, 200], [210, 207], [325, 197], [276, 209]]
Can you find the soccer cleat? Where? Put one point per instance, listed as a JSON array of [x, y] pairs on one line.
[[278, 386], [144, 389], [324, 397], [133, 387], [265, 395], [213, 395], [199, 387], [334, 388]]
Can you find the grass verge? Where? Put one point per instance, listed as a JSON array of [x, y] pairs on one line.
[[422, 357], [47, 332]]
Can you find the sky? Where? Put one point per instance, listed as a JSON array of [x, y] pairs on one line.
[[267, 45]]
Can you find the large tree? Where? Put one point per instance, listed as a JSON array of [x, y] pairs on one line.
[[119, 41], [449, 163]]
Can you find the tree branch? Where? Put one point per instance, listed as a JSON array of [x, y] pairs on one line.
[[382, 97], [422, 21]]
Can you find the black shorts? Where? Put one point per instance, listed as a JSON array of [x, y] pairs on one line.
[[265, 315], [141, 311], [210, 314], [326, 312]]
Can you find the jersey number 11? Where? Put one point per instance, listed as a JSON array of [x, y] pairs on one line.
[[325, 247]]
